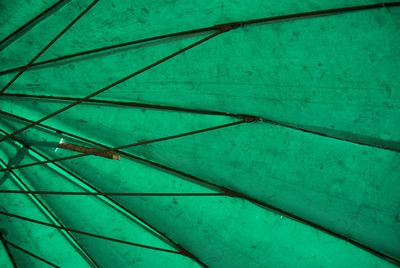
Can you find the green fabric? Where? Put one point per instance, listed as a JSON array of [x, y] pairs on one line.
[[4, 258], [330, 83]]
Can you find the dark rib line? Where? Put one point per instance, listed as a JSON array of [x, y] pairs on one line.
[[148, 67], [55, 130], [281, 18], [22, 70], [87, 233], [128, 145], [31, 254], [31, 23], [124, 209], [198, 111], [221, 28], [10, 256], [233, 193], [318, 13], [315, 226], [96, 50], [157, 232], [287, 125], [108, 193], [129, 212], [47, 212], [263, 204], [123, 103]]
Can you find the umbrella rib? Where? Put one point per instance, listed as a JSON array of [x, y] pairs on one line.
[[47, 212], [30, 253], [96, 50], [310, 131], [24, 68], [227, 191], [395, 148], [267, 206], [233, 193], [274, 19], [30, 24], [117, 240], [222, 28], [109, 193], [127, 212], [230, 192], [140, 143], [7, 249], [123, 104], [121, 207], [142, 70]]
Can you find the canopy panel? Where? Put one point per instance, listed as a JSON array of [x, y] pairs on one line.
[[249, 145]]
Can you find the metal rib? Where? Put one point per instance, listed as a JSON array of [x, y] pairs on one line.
[[52, 217], [28, 192], [231, 192], [11, 215], [30, 24], [142, 70], [31, 254], [120, 207], [121, 104], [23, 69], [115, 149], [275, 19], [7, 249]]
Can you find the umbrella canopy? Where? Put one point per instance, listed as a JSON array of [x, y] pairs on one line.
[[199, 133]]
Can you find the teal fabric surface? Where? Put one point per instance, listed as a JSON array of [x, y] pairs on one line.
[[269, 145]]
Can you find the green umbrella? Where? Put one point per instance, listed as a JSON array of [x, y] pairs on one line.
[[199, 133]]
